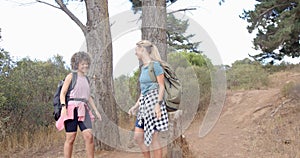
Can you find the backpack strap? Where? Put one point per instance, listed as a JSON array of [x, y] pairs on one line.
[[74, 80], [88, 79], [151, 71]]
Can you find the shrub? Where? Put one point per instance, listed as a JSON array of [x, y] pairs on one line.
[[291, 90], [246, 76]]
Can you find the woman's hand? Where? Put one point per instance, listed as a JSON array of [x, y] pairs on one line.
[[64, 111], [132, 110], [98, 115], [157, 111]]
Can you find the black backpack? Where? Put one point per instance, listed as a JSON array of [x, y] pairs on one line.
[[173, 87], [56, 100]]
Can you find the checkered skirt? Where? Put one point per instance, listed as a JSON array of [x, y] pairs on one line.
[[147, 114]]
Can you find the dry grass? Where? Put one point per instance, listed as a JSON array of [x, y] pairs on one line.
[[277, 131], [25, 142], [126, 122], [277, 135]]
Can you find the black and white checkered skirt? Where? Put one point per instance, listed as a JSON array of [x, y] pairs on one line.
[[147, 115]]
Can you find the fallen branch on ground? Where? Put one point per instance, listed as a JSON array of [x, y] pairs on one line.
[[276, 110], [260, 108]]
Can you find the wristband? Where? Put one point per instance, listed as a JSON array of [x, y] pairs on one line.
[[62, 105], [160, 102]]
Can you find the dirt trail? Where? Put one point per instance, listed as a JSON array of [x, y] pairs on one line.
[[229, 137]]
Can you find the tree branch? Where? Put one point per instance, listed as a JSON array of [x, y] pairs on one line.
[[64, 8], [181, 10], [270, 9], [260, 108], [47, 4], [171, 4], [260, 17], [275, 111]]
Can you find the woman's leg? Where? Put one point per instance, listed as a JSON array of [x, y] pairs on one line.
[[86, 128], [139, 139], [71, 132], [68, 146], [156, 146], [89, 142]]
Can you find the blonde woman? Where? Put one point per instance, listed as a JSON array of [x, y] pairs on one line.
[[152, 115]]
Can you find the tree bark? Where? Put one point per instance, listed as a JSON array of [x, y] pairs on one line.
[[99, 46], [154, 25], [154, 19]]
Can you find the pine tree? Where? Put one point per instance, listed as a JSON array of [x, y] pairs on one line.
[[176, 29], [176, 39], [277, 23]]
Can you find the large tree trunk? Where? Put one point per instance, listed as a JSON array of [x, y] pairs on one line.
[[99, 45], [154, 19], [154, 25]]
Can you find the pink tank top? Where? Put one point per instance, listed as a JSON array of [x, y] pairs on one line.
[[81, 89]]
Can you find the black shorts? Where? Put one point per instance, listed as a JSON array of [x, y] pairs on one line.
[[71, 125]]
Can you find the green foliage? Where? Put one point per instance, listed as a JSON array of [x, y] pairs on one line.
[[179, 59], [190, 98], [126, 90], [124, 95], [6, 63], [204, 83], [176, 39], [133, 85], [137, 4], [283, 66], [221, 2], [26, 92], [188, 66], [246, 74], [176, 29], [277, 24], [2, 100], [1, 49], [193, 69]]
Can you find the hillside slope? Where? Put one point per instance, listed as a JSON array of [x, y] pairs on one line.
[[254, 123]]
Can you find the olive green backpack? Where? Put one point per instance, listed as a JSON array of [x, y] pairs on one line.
[[173, 88]]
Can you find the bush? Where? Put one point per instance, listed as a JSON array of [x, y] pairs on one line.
[[281, 67], [291, 90], [246, 76], [26, 94]]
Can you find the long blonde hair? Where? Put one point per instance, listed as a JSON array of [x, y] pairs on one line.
[[151, 49]]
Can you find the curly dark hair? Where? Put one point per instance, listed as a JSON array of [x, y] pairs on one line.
[[79, 57]]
